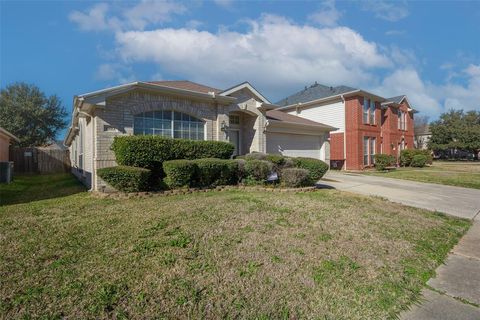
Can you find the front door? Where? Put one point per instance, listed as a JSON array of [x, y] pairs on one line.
[[234, 137]]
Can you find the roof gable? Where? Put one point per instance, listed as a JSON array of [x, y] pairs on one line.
[[186, 85], [245, 85]]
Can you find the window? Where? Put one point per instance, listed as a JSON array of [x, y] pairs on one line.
[[365, 151], [402, 120], [366, 105], [368, 111], [372, 150], [372, 112], [369, 149], [234, 119], [171, 124], [80, 146]]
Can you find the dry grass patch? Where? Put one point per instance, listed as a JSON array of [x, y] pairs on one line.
[[231, 254]]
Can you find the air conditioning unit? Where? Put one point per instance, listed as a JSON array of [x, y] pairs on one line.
[[6, 171]]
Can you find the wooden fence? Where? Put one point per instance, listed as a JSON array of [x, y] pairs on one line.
[[40, 160]]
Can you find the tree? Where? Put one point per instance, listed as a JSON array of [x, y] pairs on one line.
[[420, 128], [456, 130], [29, 114]]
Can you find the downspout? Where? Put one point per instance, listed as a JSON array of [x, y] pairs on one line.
[[344, 131]]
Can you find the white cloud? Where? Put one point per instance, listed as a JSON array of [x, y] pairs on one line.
[[430, 98], [94, 19], [328, 15], [274, 53], [114, 72], [407, 81], [387, 10], [103, 17], [152, 12]]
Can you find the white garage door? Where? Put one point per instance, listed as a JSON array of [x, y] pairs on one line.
[[294, 145]]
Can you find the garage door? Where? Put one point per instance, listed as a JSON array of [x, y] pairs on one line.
[[294, 145]]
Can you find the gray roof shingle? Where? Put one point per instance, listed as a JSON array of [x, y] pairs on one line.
[[396, 99], [314, 92]]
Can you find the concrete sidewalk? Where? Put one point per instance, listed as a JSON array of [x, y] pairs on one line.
[[454, 292]]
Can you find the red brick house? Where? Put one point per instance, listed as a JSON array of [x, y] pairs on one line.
[[367, 123]]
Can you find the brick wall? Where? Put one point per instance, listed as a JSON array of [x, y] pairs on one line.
[[336, 146]]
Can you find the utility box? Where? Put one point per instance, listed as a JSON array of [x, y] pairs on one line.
[[6, 171]]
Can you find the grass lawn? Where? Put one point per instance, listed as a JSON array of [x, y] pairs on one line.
[[231, 254], [461, 174]]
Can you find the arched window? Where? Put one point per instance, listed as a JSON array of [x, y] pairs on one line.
[[171, 124]]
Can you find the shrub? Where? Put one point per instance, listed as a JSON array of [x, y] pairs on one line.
[[419, 160], [296, 177], [258, 170], [213, 172], [256, 156], [406, 156], [276, 159], [151, 151], [240, 168], [179, 173], [384, 160], [317, 168], [125, 178]]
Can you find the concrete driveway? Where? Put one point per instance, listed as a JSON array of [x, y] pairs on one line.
[[456, 201], [456, 293]]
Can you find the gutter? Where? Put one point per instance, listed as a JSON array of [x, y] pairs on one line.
[[295, 124]]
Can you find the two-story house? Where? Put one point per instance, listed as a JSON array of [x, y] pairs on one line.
[[367, 123]]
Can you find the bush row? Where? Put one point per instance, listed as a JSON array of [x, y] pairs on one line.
[[202, 172], [151, 151]]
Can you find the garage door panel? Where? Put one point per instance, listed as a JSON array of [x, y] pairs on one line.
[[294, 145]]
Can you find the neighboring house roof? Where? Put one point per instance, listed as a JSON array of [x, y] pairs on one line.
[[397, 99], [285, 117], [55, 145], [247, 85], [186, 85], [8, 134], [314, 92]]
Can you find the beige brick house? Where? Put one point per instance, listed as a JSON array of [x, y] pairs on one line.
[[184, 109]]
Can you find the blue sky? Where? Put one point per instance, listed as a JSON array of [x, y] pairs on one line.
[[427, 50]]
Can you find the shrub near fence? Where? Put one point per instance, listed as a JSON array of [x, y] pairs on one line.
[[124, 178]]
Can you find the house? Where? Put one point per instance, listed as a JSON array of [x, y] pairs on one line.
[[184, 109], [367, 123], [422, 137], [6, 139]]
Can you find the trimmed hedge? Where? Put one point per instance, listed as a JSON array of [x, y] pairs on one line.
[[207, 172], [384, 160], [125, 178], [317, 168], [214, 172], [419, 161], [258, 170], [151, 151], [179, 173], [296, 177], [406, 156], [255, 156]]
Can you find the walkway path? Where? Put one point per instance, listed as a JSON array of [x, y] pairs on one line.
[[455, 291]]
